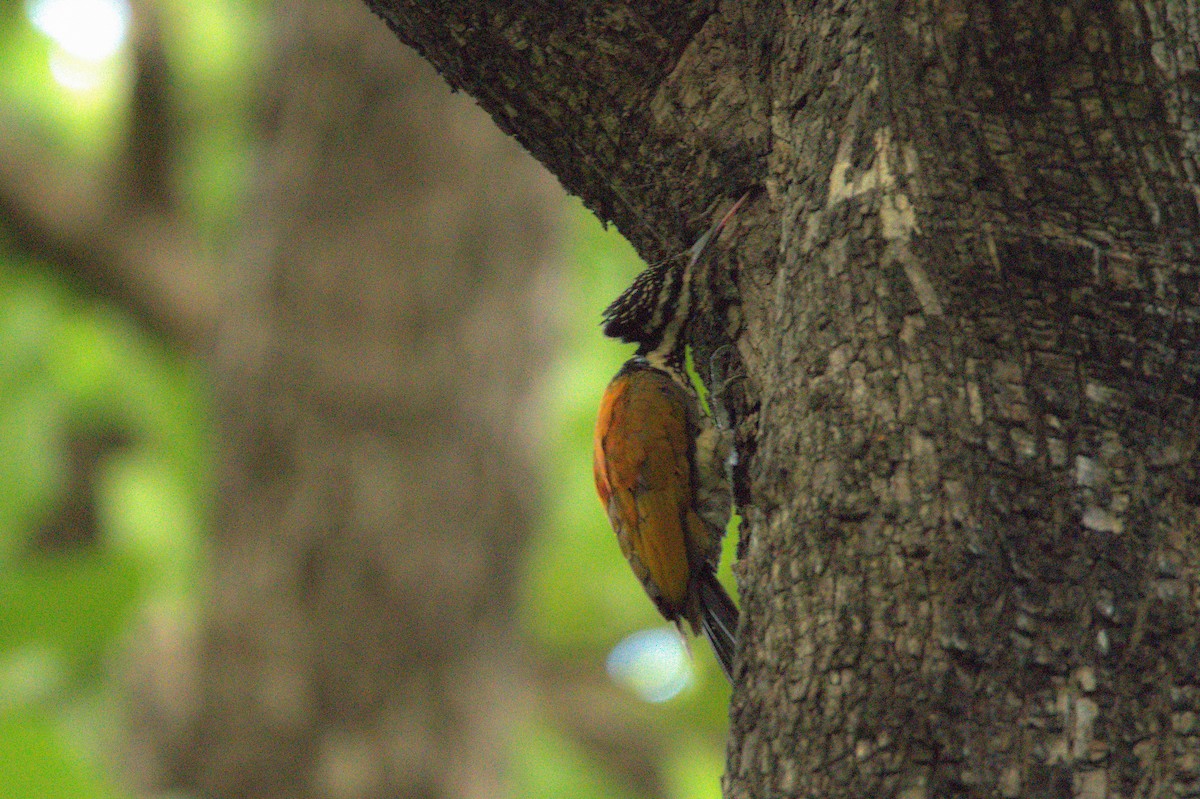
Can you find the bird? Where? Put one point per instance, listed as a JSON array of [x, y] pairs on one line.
[[659, 459]]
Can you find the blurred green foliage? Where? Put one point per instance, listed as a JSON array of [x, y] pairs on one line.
[[214, 49], [71, 367], [79, 378], [547, 764]]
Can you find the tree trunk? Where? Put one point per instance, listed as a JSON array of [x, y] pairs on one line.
[[382, 321], [968, 317]]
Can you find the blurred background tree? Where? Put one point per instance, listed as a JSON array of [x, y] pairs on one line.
[[269, 519]]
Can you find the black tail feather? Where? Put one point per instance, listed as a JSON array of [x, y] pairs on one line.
[[719, 620]]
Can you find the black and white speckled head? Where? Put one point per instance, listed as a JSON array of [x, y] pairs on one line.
[[652, 312], [639, 315]]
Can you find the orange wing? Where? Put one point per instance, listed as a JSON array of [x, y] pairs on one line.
[[640, 462]]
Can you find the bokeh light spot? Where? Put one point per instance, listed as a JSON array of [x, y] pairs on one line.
[[653, 663], [88, 30]]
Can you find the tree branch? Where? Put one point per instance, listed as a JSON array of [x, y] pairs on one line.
[[604, 95]]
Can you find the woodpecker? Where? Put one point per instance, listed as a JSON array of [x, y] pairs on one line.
[[659, 460]]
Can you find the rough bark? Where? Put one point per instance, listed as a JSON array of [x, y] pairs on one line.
[[969, 318], [607, 95], [381, 322]]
